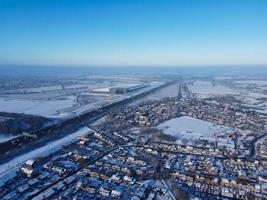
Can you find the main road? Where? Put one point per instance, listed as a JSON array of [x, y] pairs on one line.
[[253, 143]]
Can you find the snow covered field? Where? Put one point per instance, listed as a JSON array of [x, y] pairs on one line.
[[249, 92], [257, 82], [253, 94], [63, 99], [42, 151], [192, 130], [47, 108], [63, 107], [206, 89], [42, 89]]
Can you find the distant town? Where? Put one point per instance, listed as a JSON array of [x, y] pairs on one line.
[[135, 137]]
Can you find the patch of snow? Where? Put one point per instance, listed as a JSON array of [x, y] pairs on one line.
[[43, 89], [257, 82], [193, 130], [76, 86], [47, 108], [206, 88]]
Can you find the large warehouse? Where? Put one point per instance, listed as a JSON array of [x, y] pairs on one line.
[[120, 89]]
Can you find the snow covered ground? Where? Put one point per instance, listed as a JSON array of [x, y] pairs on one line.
[[249, 92], [61, 107], [206, 89], [192, 130], [257, 82], [252, 94], [13, 164], [47, 108], [56, 101], [58, 107], [42, 89]]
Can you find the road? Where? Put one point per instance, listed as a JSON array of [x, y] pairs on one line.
[[253, 142]]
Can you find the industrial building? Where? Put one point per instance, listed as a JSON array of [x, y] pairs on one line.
[[121, 89]]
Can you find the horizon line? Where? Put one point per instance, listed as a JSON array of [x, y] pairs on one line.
[[125, 66]]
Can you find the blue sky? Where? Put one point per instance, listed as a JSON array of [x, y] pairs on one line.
[[133, 32]]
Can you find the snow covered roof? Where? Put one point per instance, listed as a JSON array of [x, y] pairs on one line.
[[116, 193], [30, 162]]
